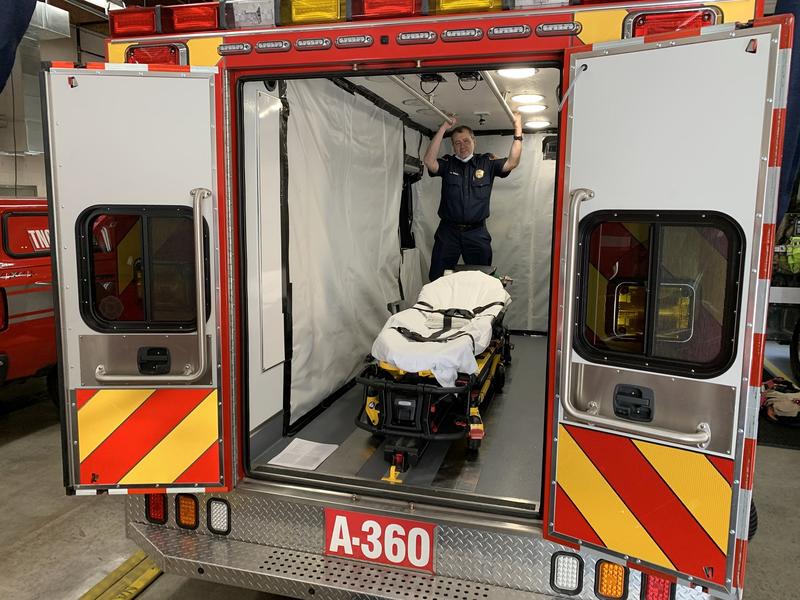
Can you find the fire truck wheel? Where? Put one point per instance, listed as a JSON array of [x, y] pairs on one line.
[[52, 386], [751, 533], [794, 352]]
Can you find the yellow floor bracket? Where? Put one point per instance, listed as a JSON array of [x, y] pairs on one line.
[[393, 476], [126, 581]]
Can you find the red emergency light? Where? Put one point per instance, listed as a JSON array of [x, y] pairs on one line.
[[167, 54], [133, 21], [375, 9], [190, 17], [665, 22], [657, 588]]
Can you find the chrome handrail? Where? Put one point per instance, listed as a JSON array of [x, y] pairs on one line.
[[700, 438], [191, 373]]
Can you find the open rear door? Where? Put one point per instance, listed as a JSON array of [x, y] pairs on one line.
[[669, 182], [133, 172]]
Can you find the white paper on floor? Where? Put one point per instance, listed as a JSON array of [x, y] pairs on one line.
[[303, 454]]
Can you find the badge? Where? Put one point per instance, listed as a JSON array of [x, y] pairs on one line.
[[479, 174]]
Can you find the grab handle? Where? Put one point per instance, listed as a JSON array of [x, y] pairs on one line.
[[702, 435], [191, 373]]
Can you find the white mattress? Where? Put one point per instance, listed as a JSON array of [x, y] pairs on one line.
[[466, 290]]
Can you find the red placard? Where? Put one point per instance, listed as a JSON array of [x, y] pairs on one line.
[[376, 539]]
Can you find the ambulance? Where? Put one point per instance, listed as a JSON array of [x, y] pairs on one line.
[[256, 209]]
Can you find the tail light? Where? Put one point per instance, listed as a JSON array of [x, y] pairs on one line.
[[566, 573], [165, 54], [312, 11], [657, 588], [450, 6], [190, 17], [651, 23], [134, 21], [611, 581], [186, 511], [155, 508], [374, 9]]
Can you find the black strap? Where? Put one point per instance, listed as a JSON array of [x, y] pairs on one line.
[[464, 313], [436, 337]]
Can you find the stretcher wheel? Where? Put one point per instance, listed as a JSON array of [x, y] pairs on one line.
[[473, 447], [500, 378]]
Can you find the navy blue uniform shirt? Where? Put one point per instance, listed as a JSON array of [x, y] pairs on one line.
[[467, 187]]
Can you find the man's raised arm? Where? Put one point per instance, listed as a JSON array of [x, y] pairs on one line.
[[432, 153], [516, 146]]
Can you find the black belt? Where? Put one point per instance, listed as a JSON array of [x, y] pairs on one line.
[[465, 226]]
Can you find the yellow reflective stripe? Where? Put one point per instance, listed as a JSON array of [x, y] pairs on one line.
[[601, 506], [103, 413], [116, 52], [698, 485], [203, 51], [737, 12], [180, 448], [600, 25]]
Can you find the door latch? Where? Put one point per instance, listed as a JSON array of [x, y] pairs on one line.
[[633, 402], [153, 360]]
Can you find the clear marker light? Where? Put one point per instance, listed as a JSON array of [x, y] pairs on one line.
[[517, 73], [566, 573], [219, 516]]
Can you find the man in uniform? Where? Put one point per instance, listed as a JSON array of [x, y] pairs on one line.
[[467, 180]]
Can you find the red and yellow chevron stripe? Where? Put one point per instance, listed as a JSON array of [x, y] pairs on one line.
[[667, 506], [148, 436]]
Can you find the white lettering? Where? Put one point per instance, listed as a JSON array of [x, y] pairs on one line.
[[373, 548], [393, 540], [40, 238], [340, 536], [419, 547]]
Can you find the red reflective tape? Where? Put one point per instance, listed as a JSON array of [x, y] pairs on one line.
[[776, 141], [139, 434], [170, 68], [62, 64], [767, 249], [205, 468], [748, 463], [740, 563], [83, 396], [657, 508], [757, 360], [98, 66], [724, 466], [569, 520], [787, 27]]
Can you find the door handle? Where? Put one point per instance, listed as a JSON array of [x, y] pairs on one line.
[[634, 403], [191, 373], [700, 437]]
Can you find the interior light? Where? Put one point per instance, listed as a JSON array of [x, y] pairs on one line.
[[537, 124], [517, 73], [531, 108], [611, 580], [566, 573], [527, 98]]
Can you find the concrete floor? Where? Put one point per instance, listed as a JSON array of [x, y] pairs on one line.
[[56, 546]]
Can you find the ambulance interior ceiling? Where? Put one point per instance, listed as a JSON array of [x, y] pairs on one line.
[[339, 237]]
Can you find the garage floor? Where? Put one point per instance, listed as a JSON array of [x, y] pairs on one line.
[[56, 546]]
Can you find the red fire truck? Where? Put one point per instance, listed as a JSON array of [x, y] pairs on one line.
[[27, 327], [255, 201]]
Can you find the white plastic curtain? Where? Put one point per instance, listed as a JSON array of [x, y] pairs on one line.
[[345, 158], [520, 224]]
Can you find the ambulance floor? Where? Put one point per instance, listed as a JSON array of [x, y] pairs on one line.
[[508, 465]]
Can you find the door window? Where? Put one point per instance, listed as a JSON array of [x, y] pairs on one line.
[[660, 291], [138, 267]]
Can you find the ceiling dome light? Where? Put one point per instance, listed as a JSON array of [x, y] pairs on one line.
[[527, 98], [517, 73], [536, 124], [531, 108]]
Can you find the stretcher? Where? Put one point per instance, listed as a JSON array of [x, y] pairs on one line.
[[436, 366]]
